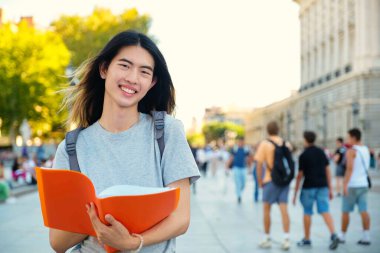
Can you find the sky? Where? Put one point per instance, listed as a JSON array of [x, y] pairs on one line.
[[230, 53]]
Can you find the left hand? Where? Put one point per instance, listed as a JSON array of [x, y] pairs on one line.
[[345, 191], [331, 194], [115, 235]]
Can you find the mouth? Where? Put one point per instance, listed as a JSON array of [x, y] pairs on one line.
[[128, 90]]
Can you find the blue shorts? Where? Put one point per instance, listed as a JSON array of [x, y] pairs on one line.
[[356, 196], [311, 195], [275, 194]]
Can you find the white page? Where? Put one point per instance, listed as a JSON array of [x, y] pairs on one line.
[[131, 190]]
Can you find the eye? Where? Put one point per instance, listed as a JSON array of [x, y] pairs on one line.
[[124, 65], [146, 73]]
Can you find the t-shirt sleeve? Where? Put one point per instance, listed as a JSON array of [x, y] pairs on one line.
[[177, 160], [61, 159]]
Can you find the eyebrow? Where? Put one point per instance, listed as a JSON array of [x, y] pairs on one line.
[[144, 66]]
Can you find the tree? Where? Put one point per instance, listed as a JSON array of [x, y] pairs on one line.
[[85, 36], [32, 65], [218, 130], [196, 139]]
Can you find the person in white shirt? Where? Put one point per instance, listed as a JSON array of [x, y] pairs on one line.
[[356, 185]]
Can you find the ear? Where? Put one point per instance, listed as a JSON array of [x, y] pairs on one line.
[[103, 71], [154, 81]]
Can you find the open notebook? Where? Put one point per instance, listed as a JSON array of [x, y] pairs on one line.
[[64, 194]]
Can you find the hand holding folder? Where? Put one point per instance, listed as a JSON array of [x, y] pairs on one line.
[[64, 195]]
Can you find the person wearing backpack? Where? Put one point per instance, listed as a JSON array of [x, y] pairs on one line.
[[125, 137], [316, 188], [356, 185], [275, 154]]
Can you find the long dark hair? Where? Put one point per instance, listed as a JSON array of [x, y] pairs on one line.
[[85, 100]]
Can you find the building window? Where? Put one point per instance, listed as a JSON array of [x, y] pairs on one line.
[[348, 68], [328, 77], [337, 73], [320, 80]]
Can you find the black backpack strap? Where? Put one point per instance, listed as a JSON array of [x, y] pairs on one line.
[[71, 142], [275, 144], [159, 127]]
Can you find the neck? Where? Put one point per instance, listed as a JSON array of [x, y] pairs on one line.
[[357, 143], [117, 119]]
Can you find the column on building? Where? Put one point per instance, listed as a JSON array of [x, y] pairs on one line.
[[335, 5], [346, 34], [367, 34], [327, 38]]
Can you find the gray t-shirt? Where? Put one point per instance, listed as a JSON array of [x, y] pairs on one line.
[[132, 157]]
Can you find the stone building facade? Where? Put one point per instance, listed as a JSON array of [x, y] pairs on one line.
[[340, 76]]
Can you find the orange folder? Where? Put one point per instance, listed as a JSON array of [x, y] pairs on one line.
[[64, 194]]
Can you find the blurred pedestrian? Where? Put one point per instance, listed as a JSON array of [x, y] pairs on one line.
[[18, 173], [372, 161], [274, 193], [239, 163], [356, 185], [202, 161], [316, 188], [4, 187], [340, 165]]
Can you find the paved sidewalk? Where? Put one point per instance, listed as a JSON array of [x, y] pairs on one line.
[[220, 225]]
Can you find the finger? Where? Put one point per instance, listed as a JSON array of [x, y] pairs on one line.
[[96, 223], [113, 222]]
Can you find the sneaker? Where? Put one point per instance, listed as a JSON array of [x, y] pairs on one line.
[[334, 242], [304, 243], [266, 244], [364, 242], [285, 245], [342, 241]]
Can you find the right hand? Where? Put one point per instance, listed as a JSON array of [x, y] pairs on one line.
[[294, 199]]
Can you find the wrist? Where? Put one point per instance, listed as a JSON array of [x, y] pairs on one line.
[[137, 242], [132, 243]]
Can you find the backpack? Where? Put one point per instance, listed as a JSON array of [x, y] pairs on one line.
[[72, 137], [283, 165]]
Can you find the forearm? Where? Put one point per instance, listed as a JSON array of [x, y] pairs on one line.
[[61, 240], [298, 181], [259, 172], [328, 175], [173, 226]]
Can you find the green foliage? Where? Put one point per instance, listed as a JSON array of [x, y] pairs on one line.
[[85, 36], [32, 64], [196, 139], [218, 130]]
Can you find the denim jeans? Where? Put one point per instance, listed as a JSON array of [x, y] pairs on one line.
[[240, 175]]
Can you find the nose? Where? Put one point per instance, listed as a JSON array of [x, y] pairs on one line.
[[132, 76]]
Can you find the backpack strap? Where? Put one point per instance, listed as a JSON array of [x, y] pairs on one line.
[[71, 141], [275, 144], [159, 127]]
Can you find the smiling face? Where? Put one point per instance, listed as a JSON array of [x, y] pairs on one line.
[[128, 77]]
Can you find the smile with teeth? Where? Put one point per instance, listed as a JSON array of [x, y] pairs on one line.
[[129, 91]]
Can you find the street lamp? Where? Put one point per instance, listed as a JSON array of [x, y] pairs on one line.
[[324, 127], [355, 113]]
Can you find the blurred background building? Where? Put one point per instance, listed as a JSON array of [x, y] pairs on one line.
[[340, 76]]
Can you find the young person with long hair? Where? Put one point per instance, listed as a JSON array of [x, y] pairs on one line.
[[113, 101]]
